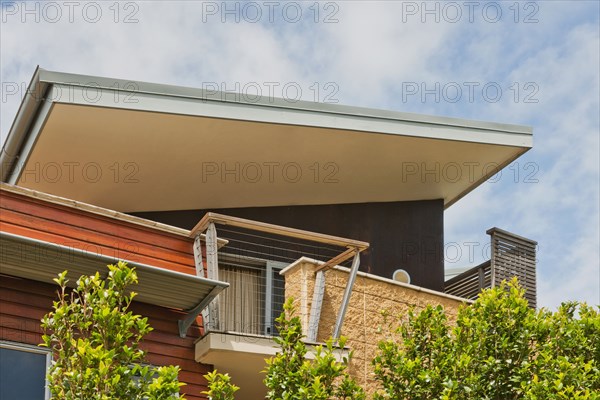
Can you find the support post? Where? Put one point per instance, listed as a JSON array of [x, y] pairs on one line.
[[212, 267], [346, 299], [198, 256], [315, 308]]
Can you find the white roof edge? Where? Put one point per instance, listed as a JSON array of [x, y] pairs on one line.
[[20, 127], [131, 86]]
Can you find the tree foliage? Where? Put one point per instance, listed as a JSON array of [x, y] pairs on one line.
[[291, 376], [95, 340], [498, 349], [220, 386]]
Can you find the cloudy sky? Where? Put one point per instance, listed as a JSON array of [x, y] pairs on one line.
[[530, 63]]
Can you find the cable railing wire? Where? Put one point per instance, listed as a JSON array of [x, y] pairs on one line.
[[305, 243], [269, 248]]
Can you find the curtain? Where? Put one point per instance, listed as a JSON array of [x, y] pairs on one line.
[[241, 306]]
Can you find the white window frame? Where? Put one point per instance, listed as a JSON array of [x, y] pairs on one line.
[[271, 265], [32, 349]]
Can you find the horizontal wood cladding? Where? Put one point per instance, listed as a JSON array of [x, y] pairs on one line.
[[81, 230], [24, 302]]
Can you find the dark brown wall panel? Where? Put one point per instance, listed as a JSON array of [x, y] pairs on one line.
[[407, 235]]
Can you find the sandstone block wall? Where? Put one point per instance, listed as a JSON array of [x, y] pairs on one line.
[[364, 324]]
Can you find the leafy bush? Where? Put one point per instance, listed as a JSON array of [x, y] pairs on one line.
[[499, 349], [95, 342], [220, 386], [290, 376]]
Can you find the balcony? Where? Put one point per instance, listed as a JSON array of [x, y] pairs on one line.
[[251, 262], [240, 323]]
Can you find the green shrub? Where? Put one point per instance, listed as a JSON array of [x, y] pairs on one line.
[[95, 342], [499, 349]]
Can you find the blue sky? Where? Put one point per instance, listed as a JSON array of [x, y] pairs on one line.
[[529, 63]]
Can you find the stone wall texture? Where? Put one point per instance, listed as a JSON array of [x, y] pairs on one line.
[[365, 324]]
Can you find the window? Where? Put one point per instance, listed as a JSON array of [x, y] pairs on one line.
[[23, 372], [255, 295]]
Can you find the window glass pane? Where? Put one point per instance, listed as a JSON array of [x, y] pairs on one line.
[[22, 375]]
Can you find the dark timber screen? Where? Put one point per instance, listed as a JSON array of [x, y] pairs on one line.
[[511, 255]]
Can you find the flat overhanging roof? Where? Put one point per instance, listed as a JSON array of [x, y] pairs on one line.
[[134, 146]]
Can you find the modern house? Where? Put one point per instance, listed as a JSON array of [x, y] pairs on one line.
[[227, 206]]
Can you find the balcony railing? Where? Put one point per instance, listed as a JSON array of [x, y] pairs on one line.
[[511, 256], [251, 261]]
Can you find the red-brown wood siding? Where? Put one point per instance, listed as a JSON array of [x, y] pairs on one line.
[[24, 302], [26, 216]]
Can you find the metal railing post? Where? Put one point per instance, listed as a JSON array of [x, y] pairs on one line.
[[346, 299]]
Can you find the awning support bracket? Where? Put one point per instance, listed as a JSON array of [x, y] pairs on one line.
[[185, 323]]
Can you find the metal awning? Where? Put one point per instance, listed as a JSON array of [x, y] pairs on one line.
[[42, 261]]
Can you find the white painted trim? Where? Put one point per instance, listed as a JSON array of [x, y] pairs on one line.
[[370, 122], [137, 88], [269, 267], [27, 146]]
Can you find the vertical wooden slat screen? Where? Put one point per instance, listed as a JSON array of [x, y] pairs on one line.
[[511, 255]]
